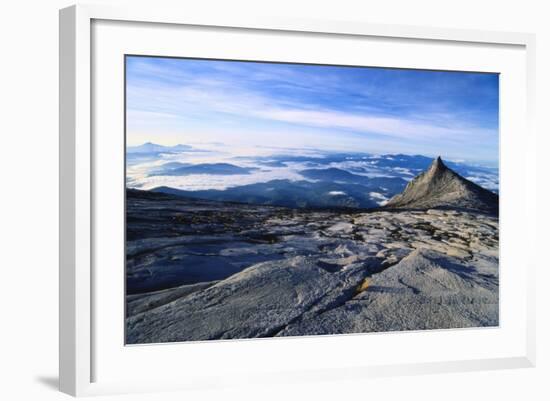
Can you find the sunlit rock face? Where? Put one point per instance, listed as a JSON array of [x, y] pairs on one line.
[[441, 187]]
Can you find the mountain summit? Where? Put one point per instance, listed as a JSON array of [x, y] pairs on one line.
[[441, 187]]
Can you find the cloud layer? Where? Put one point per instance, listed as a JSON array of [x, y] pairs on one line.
[[335, 108]]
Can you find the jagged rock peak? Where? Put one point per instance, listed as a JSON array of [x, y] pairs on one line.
[[437, 166], [441, 187], [438, 163]]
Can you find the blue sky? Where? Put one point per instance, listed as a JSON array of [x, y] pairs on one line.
[[248, 106]]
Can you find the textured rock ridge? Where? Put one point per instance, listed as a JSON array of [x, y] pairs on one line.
[[441, 187], [204, 270]]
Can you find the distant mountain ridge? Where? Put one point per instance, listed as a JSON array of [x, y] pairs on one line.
[[149, 147], [286, 193], [202, 168], [441, 187], [394, 184]]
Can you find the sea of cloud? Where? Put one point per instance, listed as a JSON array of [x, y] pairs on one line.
[[279, 164]]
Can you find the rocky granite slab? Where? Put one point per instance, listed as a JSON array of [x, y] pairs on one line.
[[212, 270], [425, 290]]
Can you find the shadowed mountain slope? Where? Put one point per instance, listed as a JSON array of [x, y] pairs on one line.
[[441, 187]]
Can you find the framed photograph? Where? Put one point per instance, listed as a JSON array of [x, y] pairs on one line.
[[272, 200]]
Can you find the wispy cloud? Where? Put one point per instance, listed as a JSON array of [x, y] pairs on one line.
[[455, 114]]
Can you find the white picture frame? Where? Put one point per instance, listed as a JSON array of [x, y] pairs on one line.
[[78, 163]]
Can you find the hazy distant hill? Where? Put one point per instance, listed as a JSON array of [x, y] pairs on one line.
[[294, 194], [150, 147], [203, 168]]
